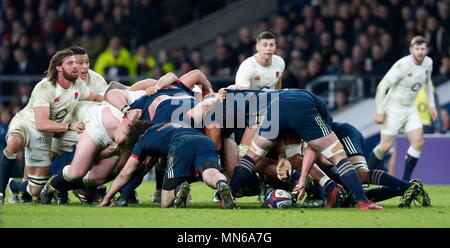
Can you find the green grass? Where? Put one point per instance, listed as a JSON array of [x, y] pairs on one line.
[[205, 214]]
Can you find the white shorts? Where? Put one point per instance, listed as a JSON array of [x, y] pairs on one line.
[[399, 120], [37, 143], [134, 95], [64, 143]]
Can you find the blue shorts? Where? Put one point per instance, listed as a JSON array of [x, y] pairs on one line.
[[352, 139], [187, 157], [297, 112]]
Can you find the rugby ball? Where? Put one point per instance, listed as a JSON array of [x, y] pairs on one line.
[[279, 199]]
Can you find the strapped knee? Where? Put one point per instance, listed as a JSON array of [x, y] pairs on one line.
[[37, 182], [333, 149], [257, 150], [9, 155]]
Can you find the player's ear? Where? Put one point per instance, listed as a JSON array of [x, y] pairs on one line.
[[59, 68]]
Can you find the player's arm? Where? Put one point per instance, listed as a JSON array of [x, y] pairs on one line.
[[143, 84], [200, 110], [124, 176], [307, 163], [163, 82], [95, 97], [108, 151], [196, 77], [44, 124], [244, 76], [392, 77], [278, 84], [429, 90]]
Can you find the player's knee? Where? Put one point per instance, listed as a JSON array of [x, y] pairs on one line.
[[70, 173], [334, 151], [383, 148], [14, 144], [418, 144], [36, 184]]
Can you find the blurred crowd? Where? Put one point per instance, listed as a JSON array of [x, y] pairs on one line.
[[318, 37]]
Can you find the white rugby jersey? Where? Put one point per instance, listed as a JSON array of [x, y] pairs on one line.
[[404, 80], [255, 76], [60, 101], [96, 82]]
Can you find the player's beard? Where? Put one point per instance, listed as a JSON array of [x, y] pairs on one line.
[[418, 59], [70, 77]]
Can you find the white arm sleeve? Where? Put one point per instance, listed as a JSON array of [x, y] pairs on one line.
[[392, 77], [244, 74]]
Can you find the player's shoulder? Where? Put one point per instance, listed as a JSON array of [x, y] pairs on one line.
[[427, 61], [249, 62], [95, 75], [45, 84], [278, 60]]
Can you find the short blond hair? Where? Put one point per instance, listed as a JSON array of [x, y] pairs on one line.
[[418, 40]]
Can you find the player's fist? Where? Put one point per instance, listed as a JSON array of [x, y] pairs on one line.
[[152, 90], [77, 126], [134, 114], [379, 118], [284, 169]]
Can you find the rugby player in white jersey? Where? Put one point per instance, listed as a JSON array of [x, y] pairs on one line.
[[32, 128], [395, 111], [262, 70]]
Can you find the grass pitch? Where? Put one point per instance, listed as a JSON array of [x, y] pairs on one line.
[[205, 214]]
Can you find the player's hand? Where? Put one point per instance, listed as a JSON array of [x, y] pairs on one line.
[[434, 114], [300, 189], [110, 149], [78, 126], [106, 201], [222, 94], [284, 169], [152, 90], [134, 114], [379, 118]]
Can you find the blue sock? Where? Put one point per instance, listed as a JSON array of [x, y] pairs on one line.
[[220, 183], [6, 168], [329, 186], [410, 164], [380, 177], [242, 174], [127, 191], [18, 185], [61, 161], [382, 193], [333, 174], [351, 179]]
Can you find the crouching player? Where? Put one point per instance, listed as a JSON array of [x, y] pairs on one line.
[[190, 154], [105, 128]]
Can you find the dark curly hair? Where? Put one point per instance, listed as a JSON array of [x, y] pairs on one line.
[[137, 129]]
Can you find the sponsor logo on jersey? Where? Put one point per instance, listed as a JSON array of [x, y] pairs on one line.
[[416, 86], [277, 74], [61, 114], [76, 96], [257, 78]]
